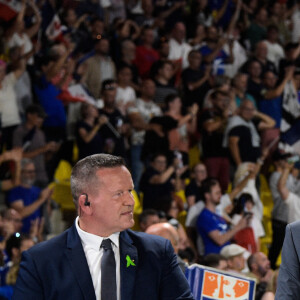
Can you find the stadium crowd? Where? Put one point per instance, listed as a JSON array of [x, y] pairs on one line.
[[193, 94]]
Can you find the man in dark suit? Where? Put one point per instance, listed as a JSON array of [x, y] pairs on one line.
[[70, 266], [288, 282]]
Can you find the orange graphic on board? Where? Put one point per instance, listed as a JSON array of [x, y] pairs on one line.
[[218, 286]]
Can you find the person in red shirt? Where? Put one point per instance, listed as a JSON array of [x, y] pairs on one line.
[[145, 54]]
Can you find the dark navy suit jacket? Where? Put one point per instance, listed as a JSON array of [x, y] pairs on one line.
[[288, 282], [58, 270]]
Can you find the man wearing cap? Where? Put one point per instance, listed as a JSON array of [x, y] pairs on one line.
[[235, 258], [31, 138]]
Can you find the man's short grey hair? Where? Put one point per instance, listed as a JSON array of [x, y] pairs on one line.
[[25, 162], [83, 176]]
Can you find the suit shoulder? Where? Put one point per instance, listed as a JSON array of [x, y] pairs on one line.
[[295, 226]]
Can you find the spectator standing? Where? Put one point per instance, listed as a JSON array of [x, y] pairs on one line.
[[31, 138], [179, 49], [159, 181], [280, 209], [193, 191], [139, 117], [125, 93], [195, 82], [89, 140], [146, 55], [186, 125], [256, 30], [275, 50], [98, 68], [164, 87], [116, 129], [215, 156], [10, 117], [241, 136]]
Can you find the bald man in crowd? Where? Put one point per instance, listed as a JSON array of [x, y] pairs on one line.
[[168, 232]]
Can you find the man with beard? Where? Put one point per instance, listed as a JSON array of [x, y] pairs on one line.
[[26, 198], [260, 268]]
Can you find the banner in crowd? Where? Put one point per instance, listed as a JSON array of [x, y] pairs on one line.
[[9, 9], [209, 283], [55, 28], [290, 122]]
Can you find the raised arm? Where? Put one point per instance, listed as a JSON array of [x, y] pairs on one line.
[[33, 30], [282, 189]]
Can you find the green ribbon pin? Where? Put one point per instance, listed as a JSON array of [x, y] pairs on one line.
[[130, 262]]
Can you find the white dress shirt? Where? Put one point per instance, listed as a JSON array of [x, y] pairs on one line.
[[93, 253]]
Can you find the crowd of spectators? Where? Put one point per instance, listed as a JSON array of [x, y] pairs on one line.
[[151, 81]]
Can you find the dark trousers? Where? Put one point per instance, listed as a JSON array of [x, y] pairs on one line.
[[278, 228]]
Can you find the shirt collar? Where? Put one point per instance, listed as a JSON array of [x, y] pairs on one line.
[[94, 241]]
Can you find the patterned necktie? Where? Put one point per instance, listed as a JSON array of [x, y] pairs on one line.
[[108, 272]]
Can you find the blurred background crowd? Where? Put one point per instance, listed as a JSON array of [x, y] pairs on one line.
[[200, 97]]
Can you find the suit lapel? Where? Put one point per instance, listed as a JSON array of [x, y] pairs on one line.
[[78, 262], [128, 252]]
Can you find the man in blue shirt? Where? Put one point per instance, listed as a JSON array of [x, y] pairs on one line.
[[26, 198], [213, 228]]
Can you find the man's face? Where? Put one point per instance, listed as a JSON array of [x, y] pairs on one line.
[[179, 32], [200, 172], [263, 264], [261, 50], [35, 120], [215, 194], [242, 82], [270, 80], [255, 69], [160, 163], [28, 174], [152, 219], [125, 76], [98, 27], [102, 47], [237, 263], [148, 37], [113, 203], [247, 110], [148, 89], [167, 71], [221, 102], [195, 60], [109, 97], [16, 219]]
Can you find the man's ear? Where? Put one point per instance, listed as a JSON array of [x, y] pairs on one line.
[[84, 204]]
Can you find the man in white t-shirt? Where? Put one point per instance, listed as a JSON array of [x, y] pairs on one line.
[[179, 49], [291, 199], [139, 116], [9, 111]]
